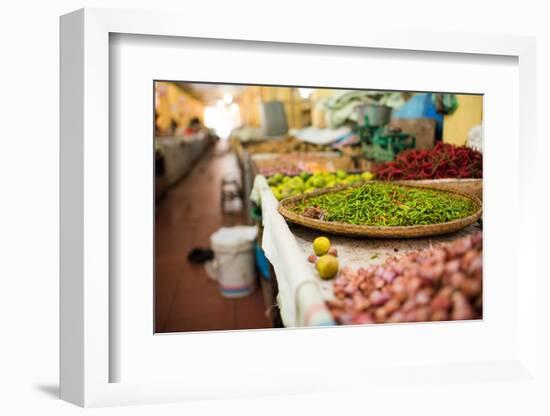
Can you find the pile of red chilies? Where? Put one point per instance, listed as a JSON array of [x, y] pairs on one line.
[[443, 161]]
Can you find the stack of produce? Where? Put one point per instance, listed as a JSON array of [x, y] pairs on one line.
[[325, 258], [385, 204], [294, 163], [287, 145], [282, 168], [443, 161], [285, 186], [435, 284]]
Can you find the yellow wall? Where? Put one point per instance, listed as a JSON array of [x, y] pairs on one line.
[[249, 105], [469, 113], [175, 104], [296, 109], [318, 118]]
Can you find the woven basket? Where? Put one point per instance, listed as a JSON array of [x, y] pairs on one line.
[[468, 186], [353, 230]]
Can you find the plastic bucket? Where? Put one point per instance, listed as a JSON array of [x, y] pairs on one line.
[[379, 115], [262, 262], [233, 263]]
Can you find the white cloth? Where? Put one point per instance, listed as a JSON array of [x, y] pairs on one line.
[[299, 297], [246, 134], [321, 136], [475, 138]]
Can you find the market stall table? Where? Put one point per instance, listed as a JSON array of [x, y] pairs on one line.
[[179, 154], [253, 164], [355, 253], [302, 294]]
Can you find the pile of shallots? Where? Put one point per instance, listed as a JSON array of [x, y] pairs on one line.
[[439, 283]]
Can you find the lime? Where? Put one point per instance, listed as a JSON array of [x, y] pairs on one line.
[[367, 176], [277, 194], [305, 175], [319, 182], [286, 192], [296, 183], [275, 179]]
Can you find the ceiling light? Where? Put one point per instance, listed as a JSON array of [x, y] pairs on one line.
[[305, 92], [227, 98]]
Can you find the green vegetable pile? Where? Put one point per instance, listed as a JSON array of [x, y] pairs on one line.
[[378, 204], [285, 186]]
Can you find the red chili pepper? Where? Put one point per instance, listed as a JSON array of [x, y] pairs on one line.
[[443, 161]]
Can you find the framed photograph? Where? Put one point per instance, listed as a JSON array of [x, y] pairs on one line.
[[286, 213]]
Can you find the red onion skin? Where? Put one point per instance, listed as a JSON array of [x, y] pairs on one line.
[[436, 284], [378, 298], [439, 315]]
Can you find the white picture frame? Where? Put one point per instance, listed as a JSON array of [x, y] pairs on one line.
[[85, 220]]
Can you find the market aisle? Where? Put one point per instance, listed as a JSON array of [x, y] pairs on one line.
[[186, 299]]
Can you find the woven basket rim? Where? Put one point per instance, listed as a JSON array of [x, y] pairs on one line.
[[400, 231]]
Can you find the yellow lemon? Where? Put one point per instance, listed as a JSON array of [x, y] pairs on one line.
[[321, 245], [327, 266]]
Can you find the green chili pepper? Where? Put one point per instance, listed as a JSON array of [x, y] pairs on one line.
[[379, 204]]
